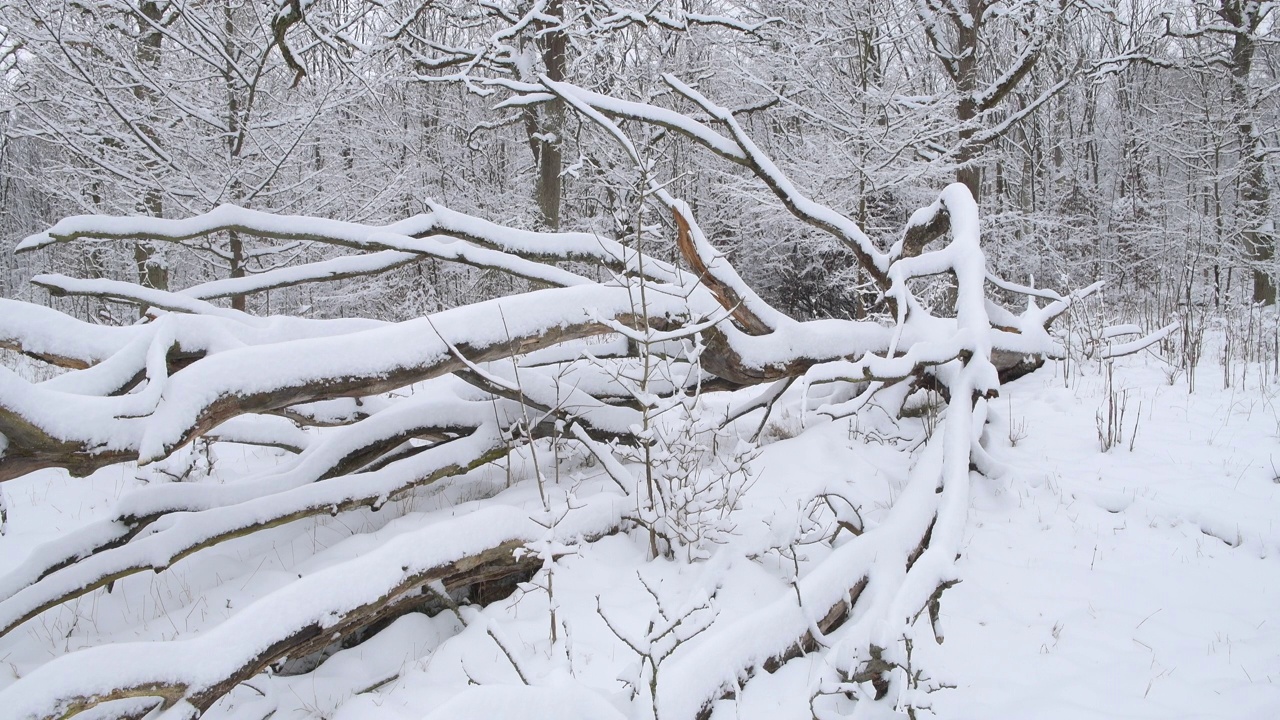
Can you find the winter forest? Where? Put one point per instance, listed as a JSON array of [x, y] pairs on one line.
[[664, 360]]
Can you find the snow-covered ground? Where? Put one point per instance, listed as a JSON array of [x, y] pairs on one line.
[[1136, 583]]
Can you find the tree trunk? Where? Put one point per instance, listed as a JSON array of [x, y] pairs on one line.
[[550, 143], [968, 172], [151, 270], [1257, 236], [234, 143]]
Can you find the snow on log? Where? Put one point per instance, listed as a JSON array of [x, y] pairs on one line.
[[306, 614], [48, 428], [59, 339], [186, 533]]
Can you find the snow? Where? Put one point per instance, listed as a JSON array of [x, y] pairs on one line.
[[261, 430], [434, 234], [402, 348], [1133, 346], [40, 330], [650, 113], [154, 421], [1124, 584], [310, 600], [180, 534], [297, 274], [148, 296], [570, 702], [1137, 584], [1095, 579]]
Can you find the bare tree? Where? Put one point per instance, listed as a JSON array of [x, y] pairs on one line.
[[966, 39], [1239, 28], [560, 38], [167, 109]]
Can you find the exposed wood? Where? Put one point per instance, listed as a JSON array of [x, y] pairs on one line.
[[917, 237], [486, 566], [726, 295]]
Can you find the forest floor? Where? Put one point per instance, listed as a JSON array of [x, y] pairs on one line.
[[1141, 582], [1136, 583]]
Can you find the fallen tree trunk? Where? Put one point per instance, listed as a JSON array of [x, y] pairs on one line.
[[514, 371], [300, 619]]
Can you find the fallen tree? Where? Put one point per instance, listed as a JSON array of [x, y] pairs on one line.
[[374, 412]]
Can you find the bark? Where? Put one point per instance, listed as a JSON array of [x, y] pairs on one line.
[[1255, 193], [725, 294], [968, 172], [235, 142], [487, 566], [150, 266], [549, 152]]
